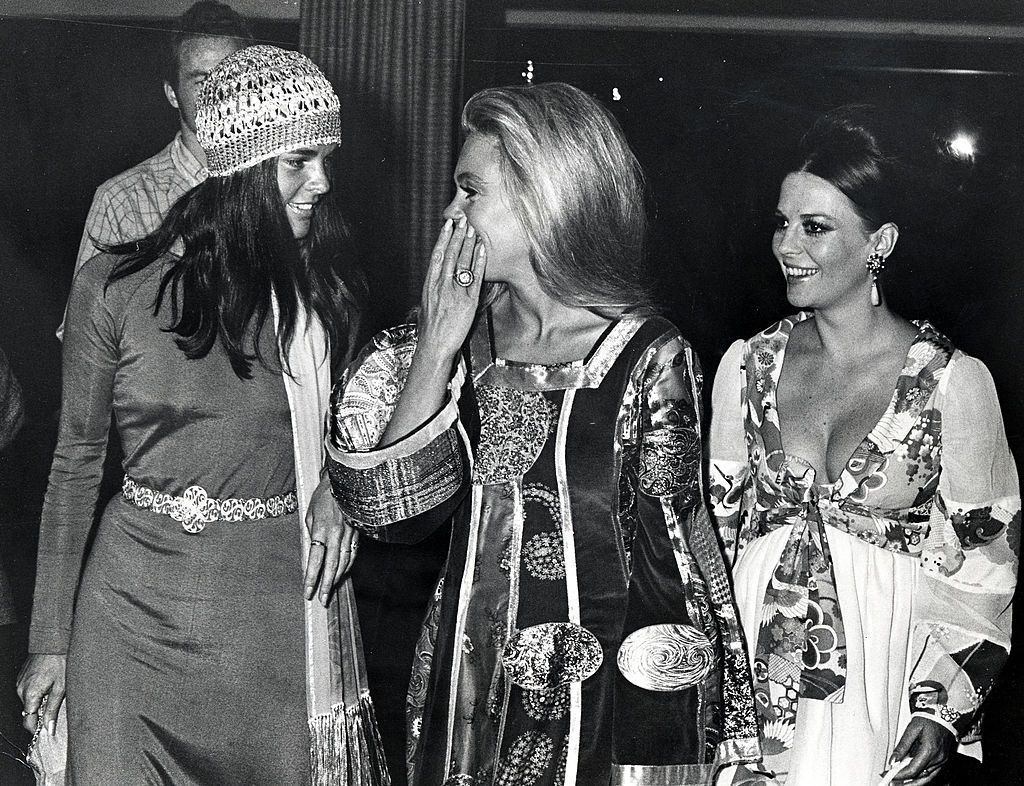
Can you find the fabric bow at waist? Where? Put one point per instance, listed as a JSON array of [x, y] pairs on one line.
[[801, 643]]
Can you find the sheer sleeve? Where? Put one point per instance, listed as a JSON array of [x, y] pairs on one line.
[[962, 633], [89, 363], [400, 492], [728, 465]]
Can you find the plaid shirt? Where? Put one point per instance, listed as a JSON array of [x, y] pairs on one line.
[[132, 204]]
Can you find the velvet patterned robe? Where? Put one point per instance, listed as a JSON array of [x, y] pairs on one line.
[[583, 631]]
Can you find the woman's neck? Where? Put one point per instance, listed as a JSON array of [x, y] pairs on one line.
[[530, 325], [850, 332]]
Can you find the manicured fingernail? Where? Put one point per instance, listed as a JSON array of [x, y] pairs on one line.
[[471, 232], [447, 224], [481, 251], [462, 222]]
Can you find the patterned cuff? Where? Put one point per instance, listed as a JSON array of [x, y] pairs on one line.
[[932, 700], [939, 720], [394, 483], [400, 488]]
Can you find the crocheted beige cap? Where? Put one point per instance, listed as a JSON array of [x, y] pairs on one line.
[[260, 102]]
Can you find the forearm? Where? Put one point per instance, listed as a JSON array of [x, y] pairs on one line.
[[424, 393]]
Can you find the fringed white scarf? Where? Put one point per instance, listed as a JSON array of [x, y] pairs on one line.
[[345, 746]]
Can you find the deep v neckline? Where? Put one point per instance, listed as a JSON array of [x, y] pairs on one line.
[[869, 439]]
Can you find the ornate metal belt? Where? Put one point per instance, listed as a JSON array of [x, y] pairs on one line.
[[195, 508]]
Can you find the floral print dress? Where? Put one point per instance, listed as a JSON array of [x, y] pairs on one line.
[[880, 596], [583, 631]]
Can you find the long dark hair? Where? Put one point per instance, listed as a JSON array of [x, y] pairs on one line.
[[238, 247]]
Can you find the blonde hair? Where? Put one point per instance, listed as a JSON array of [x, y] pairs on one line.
[[576, 188]]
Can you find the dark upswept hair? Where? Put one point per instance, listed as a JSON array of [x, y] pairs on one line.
[[204, 18], [238, 247], [575, 187], [851, 148]]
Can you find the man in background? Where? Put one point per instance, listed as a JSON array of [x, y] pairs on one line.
[[132, 204]]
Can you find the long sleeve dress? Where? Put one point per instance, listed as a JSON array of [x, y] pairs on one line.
[[185, 655], [583, 631], [879, 596]]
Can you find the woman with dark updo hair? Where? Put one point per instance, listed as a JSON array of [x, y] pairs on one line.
[[865, 493]]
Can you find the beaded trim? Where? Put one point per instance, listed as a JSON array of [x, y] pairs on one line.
[[195, 508]]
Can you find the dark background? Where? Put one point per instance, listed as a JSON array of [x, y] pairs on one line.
[[712, 116]]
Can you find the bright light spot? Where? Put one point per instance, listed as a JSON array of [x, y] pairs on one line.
[[616, 95], [528, 73], [661, 79], [962, 146]]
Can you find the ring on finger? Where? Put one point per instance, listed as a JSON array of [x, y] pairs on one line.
[[464, 277], [317, 543]]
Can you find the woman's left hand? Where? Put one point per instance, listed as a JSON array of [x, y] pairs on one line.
[[332, 547], [929, 744]]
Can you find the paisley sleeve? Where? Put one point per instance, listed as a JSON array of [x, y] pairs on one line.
[[962, 633], [729, 483], [403, 491], [671, 500]]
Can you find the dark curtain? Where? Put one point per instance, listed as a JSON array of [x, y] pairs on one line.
[[397, 67]]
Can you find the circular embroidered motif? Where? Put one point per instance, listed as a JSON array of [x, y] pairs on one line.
[[666, 657], [546, 705], [551, 654], [526, 761], [544, 557], [514, 426]]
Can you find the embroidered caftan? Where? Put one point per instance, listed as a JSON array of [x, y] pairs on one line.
[[884, 594], [583, 631]]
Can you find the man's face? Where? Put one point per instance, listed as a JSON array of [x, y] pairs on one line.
[[197, 58]]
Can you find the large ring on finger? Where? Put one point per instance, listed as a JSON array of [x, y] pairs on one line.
[[464, 277], [317, 543]]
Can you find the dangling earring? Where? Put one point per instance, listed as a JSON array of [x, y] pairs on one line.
[[875, 265]]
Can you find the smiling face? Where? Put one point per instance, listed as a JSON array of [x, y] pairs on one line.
[[481, 196], [821, 243], [302, 177]]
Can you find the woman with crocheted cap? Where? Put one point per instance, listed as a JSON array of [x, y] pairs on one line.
[[209, 637], [865, 492], [583, 631]]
